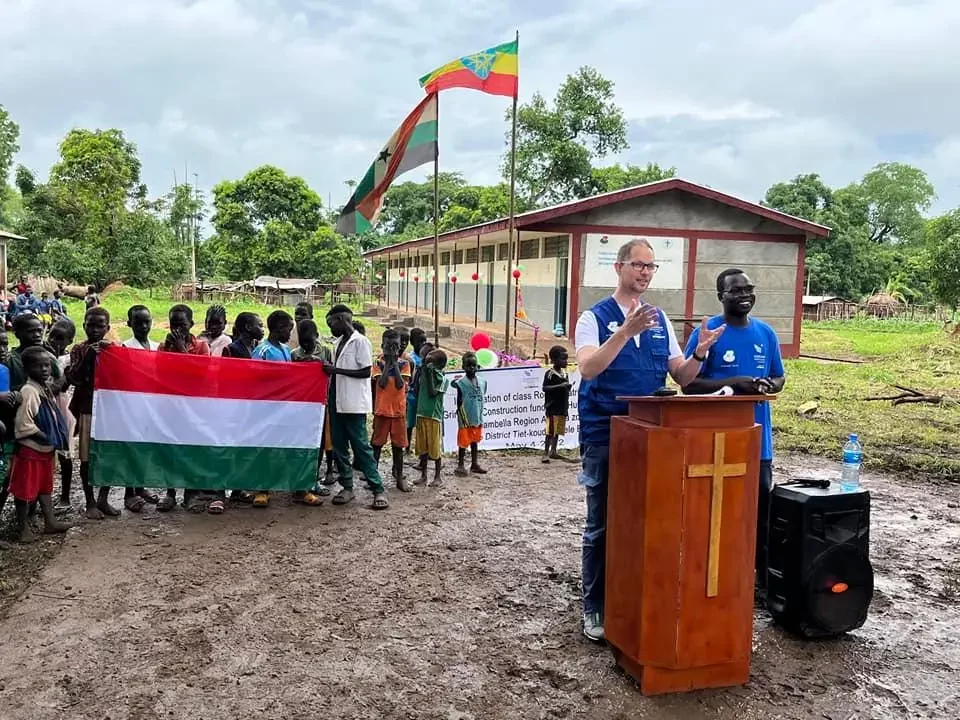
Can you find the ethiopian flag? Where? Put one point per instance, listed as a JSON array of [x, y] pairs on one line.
[[413, 144], [205, 423], [491, 71]]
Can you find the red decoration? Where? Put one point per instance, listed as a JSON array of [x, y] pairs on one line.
[[475, 277], [453, 279], [516, 274], [416, 278], [402, 273], [479, 341]]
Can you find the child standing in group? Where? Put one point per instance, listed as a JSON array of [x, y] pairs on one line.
[[247, 334], [181, 340], [311, 349], [213, 333], [40, 432], [80, 370], [303, 311], [59, 338], [556, 402], [417, 339], [274, 348], [390, 380], [470, 393], [432, 387], [140, 322]]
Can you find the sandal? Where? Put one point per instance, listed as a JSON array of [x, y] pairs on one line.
[[215, 507], [319, 489], [241, 496], [310, 499], [380, 501], [343, 497], [167, 503], [261, 500], [134, 503], [148, 497]]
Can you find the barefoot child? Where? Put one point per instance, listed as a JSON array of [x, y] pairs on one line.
[[80, 372], [181, 340], [59, 338], [556, 401], [213, 333], [417, 339], [433, 386], [470, 393], [39, 430], [140, 322], [390, 380]]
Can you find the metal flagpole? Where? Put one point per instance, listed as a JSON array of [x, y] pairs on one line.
[[513, 190], [436, 233], [476, 289]]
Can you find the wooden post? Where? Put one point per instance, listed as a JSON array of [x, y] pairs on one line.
[[476, 290]]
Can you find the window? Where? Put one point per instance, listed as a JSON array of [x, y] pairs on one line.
[[502, 251], [471, 255], [530, 249], [458, 257], [556, 246], [445, 258], [487, 253]]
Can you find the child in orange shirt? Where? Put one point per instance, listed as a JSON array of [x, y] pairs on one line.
[[390, 380]]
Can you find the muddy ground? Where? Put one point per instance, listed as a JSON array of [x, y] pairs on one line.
[[457, 603]]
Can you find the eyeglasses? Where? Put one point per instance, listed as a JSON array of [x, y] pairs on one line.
[[641, 266]]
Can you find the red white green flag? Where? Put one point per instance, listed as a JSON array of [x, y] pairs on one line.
[[170, 420]]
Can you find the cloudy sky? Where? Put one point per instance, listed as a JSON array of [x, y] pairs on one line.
[[735, 95]]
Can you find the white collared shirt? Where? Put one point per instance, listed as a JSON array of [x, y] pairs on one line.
[[353, 394], [134, 344]]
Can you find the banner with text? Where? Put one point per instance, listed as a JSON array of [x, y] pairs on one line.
[[513, 415]]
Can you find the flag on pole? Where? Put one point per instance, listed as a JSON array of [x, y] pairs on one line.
[[170, 420], [491, 71], [413, 144]]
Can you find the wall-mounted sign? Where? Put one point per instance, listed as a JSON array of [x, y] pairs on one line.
[[601, 254]]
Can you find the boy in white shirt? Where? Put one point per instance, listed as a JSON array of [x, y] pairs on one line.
[[140, 321], [348, 402]]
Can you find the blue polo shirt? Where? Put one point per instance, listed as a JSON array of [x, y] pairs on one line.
[[266, 350], [753, 351]]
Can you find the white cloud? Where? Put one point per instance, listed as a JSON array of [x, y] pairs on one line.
[[737, 96]]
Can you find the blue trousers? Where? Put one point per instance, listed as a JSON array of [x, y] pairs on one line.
[[593, 476]]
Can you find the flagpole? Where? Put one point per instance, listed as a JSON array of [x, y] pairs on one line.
[[510, 223], [436, 234]]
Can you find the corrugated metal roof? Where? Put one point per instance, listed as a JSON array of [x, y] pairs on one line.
[[267, 281], [10, 236], [818, 299]]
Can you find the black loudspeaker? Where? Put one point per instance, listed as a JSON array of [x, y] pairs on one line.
[[819, 576]]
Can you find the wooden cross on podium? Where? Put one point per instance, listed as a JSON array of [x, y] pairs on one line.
[[718, 471]]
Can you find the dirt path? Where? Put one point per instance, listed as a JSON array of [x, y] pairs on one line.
[[460, 603]]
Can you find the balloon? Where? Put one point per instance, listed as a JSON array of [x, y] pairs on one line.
[[402, 273], [516, 274], [487, 358], [453, 279], [475, 277], [479, 341], [416, 278]]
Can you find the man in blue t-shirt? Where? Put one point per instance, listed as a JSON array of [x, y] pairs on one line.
[[746, 358]]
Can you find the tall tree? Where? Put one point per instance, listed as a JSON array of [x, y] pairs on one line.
[[806, 196], [9, 134], [557, 143], [896, 195], [617, 177], [942, 238]]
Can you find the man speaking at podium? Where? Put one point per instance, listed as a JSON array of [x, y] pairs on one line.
[[624, 347]]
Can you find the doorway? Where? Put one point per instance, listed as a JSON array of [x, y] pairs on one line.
[[488, 290], [560, 295]]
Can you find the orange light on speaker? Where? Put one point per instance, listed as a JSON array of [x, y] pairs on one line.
[[839, 587]]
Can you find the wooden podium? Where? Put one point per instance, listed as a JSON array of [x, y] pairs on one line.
[[681, 537]]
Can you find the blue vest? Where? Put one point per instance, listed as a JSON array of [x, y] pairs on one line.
[[637, 370]]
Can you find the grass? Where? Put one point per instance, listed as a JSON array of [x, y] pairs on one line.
[[918, 438]]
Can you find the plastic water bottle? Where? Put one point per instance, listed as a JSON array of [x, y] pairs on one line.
[[852, 458]]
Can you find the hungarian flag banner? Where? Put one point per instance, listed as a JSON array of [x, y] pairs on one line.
[[205, 423], [492, 71], [412, 145]]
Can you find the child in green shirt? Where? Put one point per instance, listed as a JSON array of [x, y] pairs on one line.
[[432, 387]]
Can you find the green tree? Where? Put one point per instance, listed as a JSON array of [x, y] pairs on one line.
[[557, 143], [806, 196], [617, 177], [942, 239], [9, 134], [896, 196]]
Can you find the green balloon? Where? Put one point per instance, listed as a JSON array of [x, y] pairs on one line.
[[487, 359]]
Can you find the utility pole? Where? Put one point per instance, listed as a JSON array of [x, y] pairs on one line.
[[195, 218]]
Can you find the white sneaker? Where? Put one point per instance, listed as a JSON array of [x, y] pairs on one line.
[[593, 627]]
